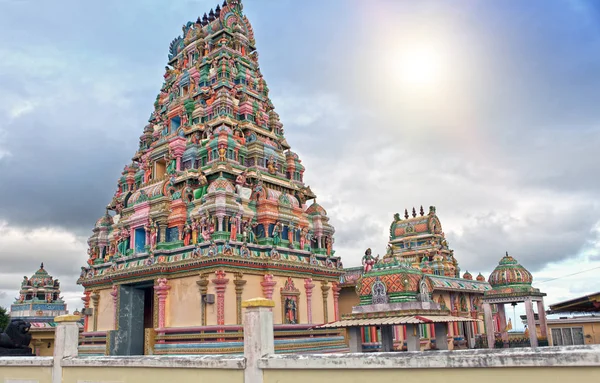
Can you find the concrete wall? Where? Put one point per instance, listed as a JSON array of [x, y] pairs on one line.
[[490, 366], [591, 330], [154, 369], [36, 369], [106, 312]]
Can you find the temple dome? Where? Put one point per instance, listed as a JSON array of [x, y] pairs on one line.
[[480, 277], [468, 276], [41, 278], [316, 209], [509, 272]]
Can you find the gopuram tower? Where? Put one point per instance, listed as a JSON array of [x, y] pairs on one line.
[[212, 210]]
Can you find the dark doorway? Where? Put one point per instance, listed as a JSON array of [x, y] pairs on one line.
[[136, 313]]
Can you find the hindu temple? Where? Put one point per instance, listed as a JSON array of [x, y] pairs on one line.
[[38, 303], [414, 298], [211, 211]]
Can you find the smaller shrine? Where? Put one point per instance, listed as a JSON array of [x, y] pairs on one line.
[[39, 302], [511, 283]]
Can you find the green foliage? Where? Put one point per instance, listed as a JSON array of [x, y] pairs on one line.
[[4, 319]]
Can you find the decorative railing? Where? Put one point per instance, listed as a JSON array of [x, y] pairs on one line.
[[229, 339], [92, 343]]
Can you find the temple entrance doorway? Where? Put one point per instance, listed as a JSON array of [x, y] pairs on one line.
[[135, 315]]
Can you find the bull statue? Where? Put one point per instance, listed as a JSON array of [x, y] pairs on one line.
[[15, 339]]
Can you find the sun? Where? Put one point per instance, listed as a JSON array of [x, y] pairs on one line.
[[419, 66]]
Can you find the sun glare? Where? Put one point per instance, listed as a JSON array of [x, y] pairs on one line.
[[419, 65]]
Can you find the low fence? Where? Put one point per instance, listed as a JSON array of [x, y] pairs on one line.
[[260, 363]]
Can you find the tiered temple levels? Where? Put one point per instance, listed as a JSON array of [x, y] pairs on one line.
[[213, 208]]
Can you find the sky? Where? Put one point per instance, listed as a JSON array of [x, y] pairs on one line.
[[487, 110]]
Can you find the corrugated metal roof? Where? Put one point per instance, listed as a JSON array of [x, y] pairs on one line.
[[400, 320], [445, 318]]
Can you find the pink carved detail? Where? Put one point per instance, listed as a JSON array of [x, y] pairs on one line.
[[336, 295], [308, 286], [268, 285], [162, 291], [115, 294], [220, 285]]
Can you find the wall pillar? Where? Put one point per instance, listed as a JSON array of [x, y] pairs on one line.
[[542, 318], [413, 340], [502, 316], [336, 295], [66, 343], [325, 292], [162, 228], [387, 338], [258, 336], [203, 287], [533, 340], [441, 335], [354, 339], [308, 286], [489, 324], [115, 294], [239, 289], [162, 291], [86, 305], [268, 285], [95, 302], [220, 285]]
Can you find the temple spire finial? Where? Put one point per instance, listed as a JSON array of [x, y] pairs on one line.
[[421, 211], [406, 213], [42, 266], [414, 213]]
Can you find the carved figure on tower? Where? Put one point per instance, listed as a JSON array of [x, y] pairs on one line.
[[369, 261]]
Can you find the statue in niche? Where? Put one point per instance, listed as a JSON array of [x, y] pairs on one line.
[[212, 249], [227, 249], [291, 310], [369, 261], [328, 244], [463, 303], [291, 230], [244, 251], [423, 291], [378, 292], [187, 234], [222, 153], [202, 185], [276, 234], [271, 165], [303, 233], [123, 245], [274, 254], [197, 252], [233, 234]]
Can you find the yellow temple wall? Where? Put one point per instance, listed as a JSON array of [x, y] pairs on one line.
[[105, 312], [348, 299], [26, 374], [182, 307], [40, 341], [591, 330], [148, 375]]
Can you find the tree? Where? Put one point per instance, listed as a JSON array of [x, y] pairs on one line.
[[4, 318]]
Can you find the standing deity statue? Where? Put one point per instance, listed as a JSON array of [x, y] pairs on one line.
[[291, 230], [202, 185], [233, 232], [222, 153], [368, 261], [328, 245], [303, 234], [195, 230], [271, 165], [187, 234], [276, 234]]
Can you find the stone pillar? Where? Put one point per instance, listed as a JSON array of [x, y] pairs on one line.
[[413, 340], [66, 342], [336, 295], [308, 286], [502, 316], [354, 339], [220, 285], [162, 228], [203, 287], [86, 304], [115, 294], [441, 335], [258, 336], [531, 322], [542, 318], [325, 292], [268, 285], [387, 338], [95, 303], [220, 223], [162, 291], [489, 324], [239, 289]]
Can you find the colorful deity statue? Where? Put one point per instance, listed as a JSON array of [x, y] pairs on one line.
[[369, 261], [187, 234], [202, 185], [276, 234]]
